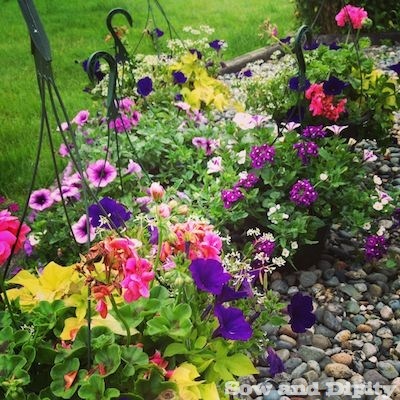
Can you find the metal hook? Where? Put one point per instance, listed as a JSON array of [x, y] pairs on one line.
[[304, 31], [120, 51], [112, 110]]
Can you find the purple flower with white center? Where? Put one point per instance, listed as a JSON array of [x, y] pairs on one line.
[[261, 155], [112, 211], [216, 44], [209, 275], [81, 118], [375, 247], [265, 246], [294, 84], [314, 132], [248, 181], [231, 196], [179, 77], [232, 323], [306, 150], [395, 68], [276, 365], [158, 32], [40, 200], [80, 230], [333, 86], [144, 86], [301, 313], [101, 173], [68, 192], [303, 193]]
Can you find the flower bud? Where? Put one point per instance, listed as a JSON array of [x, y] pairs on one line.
[[156, 191]]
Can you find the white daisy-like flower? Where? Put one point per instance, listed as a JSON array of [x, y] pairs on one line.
[[279, 261]]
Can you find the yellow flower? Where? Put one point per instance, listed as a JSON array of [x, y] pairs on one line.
[[52, 284], [184, 376]]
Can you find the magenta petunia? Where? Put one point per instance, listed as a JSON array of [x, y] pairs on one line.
[[81, 118], [101, 173], [80, 231], [40, 200]]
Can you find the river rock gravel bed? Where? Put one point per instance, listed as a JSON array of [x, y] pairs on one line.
[[356, 339]]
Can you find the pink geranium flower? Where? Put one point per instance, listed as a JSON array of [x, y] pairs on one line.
[[138, 275], [9, 226], [101, 173], [356, 16]]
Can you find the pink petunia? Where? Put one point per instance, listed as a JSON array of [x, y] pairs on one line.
[[356, 16], [40, 200], [80, 231], [81, 118], [101, 173], [68, 192]]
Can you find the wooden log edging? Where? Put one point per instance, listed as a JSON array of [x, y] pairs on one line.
[[265, 53]]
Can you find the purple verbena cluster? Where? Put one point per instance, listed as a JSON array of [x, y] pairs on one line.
[[231, 196], [314, 132], [375, 247], [261, 155], [303, 193], [306, 150], [265, 246], [248, 181]]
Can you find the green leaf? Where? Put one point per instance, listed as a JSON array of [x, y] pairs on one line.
[[175, 348], [59, 371], [241, 365], [94, 389], [110, 357]]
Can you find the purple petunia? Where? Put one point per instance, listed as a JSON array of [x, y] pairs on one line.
[[110, 210], [153, 231], [294, 84], [230, 294], [303, 193], [216, 44], [375, 247], [80, 231], [179, 77], [232, 324], [40, 200], [145, 86], [276, 365], [247, 73], [301, 314], [158, 32], [395, 68], [333, 86], [209, 275], [261, 155], [101, 173]]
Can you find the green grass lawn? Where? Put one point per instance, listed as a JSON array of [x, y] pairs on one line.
[[77, 28]]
